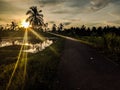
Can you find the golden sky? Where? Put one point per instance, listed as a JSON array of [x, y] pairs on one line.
[[68, 12]]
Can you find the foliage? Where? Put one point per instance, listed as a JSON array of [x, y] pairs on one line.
[[106, 39], [35, 17]]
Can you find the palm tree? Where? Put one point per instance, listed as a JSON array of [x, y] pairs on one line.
[[46, 26], [54, 27], [35, 17], [13, 25], [61, 27]]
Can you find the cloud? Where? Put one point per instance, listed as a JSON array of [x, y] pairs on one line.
[[51, 22], [50, 2], [66, 23], [77, 3], [115, 22], [99, 4], [61, 11]]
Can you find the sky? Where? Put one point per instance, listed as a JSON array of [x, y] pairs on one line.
[[69, 12]]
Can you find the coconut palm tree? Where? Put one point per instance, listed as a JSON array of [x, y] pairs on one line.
[[35, 17], [54, 27], [13, 25], [46, 26], [61, 26]]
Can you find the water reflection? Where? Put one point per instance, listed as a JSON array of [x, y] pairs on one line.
[[32, 48]]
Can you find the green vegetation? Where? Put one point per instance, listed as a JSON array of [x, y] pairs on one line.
[[41, 67], [108, 45], [106, 39]]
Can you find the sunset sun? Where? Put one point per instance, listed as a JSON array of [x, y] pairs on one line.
[[25, 24]]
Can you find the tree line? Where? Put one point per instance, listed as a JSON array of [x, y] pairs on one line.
[[87, 31]]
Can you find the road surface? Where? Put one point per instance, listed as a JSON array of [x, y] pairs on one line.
[[83, 68]]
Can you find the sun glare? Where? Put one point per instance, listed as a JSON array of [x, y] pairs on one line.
[[25, 24]]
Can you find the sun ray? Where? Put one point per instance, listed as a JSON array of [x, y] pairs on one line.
[[43, 38], [66, 37], [16, 65], [25, 58], [37, 35]]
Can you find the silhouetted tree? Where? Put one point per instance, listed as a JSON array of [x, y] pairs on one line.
[[46, 26], [60, 28], [13, 25], [35, 17], [54, 27]]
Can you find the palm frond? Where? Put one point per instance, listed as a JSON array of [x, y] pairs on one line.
[[29, 12]]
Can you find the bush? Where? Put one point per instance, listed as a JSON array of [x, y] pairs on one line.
[[112, 41]]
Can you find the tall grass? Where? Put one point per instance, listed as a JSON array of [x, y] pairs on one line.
[[108, 45], [112, 42]]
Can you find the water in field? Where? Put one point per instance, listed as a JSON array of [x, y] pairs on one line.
[[32, 48]]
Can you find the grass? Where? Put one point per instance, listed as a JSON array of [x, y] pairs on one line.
[[41, 67], [108, 45]]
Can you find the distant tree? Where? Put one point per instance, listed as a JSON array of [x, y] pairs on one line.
[[0, 35], [1, 27], [46, 26], [83, 27], [54, 27], [60, 27], [13, 25], [35, 17]]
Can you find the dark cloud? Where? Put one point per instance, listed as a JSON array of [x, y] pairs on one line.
[[99, 4], [66, 23], [72, 10], [50, 2], [7, 7], [77, 3], [61, 11]]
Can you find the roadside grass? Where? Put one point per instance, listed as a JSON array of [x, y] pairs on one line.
[[108, 45], [41, 68]]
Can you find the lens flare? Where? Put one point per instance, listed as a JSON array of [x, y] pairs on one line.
[[37, 35], [22, 60], [16, 65], [23, 57], [43, 38], [25, 24]]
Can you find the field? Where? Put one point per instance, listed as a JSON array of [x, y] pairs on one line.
[[41, 67]]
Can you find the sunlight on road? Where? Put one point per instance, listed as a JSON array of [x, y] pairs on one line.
[[66, 37], [70, 38]]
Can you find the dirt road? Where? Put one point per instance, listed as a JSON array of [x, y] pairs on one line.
[[83, 68]]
